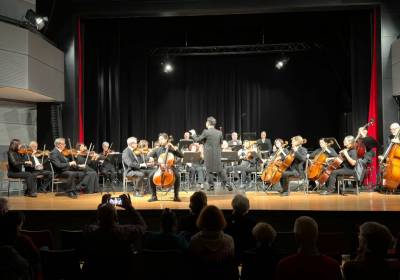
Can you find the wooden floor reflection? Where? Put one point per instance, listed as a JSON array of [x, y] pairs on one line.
[[258, 201]]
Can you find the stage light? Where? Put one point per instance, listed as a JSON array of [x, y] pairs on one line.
[[35, 20], [167, 67], [281, 63]]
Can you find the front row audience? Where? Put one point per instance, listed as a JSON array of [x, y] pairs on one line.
[[215, 247]]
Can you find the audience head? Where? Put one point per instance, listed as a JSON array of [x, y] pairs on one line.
[[168, 222], [240, 205], [198, 201], [3, 206], [374, 240], [211, 219], [306, 231], [264, 233], [107, 215], [10, 224]]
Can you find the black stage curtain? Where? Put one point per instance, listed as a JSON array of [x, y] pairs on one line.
[[321, 92]]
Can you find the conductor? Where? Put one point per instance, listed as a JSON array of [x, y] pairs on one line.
[[212, 139]]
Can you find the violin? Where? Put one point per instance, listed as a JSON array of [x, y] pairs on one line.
[[25, 151], [70, 152], [164, 176], [40, 153], [317, 164], [141, 151]]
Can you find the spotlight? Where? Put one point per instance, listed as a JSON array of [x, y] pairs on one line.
[[281, 63], [167, 67], [35, 20]]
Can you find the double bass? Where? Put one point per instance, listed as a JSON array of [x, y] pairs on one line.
[[391, 173], [164, 176], [359, 144], [317, 164]]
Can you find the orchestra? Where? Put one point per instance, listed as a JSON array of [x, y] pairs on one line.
[[273, 165]]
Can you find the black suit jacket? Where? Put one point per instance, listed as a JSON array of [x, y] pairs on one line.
[[266, 146], [59, 162], [15, 161]]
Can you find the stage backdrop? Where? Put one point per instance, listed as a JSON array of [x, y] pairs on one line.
[[321, 92]]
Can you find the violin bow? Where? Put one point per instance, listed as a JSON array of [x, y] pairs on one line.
[[87, 156], [70, 147], [44, 149]]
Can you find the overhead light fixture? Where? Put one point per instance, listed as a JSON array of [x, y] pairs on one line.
[[167, 67], [36, 20], [281, 63]]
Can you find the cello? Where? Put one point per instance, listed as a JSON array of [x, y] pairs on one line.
[[164, 177], [272, 167], [318, 163], [391, 173]]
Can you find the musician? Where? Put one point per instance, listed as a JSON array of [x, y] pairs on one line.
[[106, 165], [154, 155], [65, 168], [277, 148], [394, 129], [234, 141], [197, 168], [212, 139], [184, 143], [324, 146], [134, 163], [350, 157], [296, 168], [225, 146], [249, 161], [264, 144], [88, 164], [16, 168], [37, 169]]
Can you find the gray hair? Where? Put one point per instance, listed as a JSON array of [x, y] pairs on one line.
[[264, 233], [349, 138], [58, 141], [240, 204], [375, 238], [105, 143], [131, 140]]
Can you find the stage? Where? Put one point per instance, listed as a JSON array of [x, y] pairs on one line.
[[297, 201]]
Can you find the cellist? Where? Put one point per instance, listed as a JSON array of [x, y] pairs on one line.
[[296, 168], [163, 139], [349, 156], [324, 146]]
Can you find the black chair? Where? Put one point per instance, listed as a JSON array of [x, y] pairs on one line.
[[160, 264], [41, 238], [60, 264], [201, 269], [72, 239]]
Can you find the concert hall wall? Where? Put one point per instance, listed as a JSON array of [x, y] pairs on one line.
[[323, 91]]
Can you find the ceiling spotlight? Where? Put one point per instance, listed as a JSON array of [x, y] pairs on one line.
[[167, 67], [35, 20], [281, 63]]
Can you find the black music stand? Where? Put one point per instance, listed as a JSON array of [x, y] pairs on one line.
[[184, 143], [236, 148], [251, 136], [190, 157], [230, 157]]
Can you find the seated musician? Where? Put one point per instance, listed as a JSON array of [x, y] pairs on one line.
[[264, 144], [369, 144], [39, 159], [184, 143], [277, 148], [394, 130], [234, 141], [107, 168], [225, 146], [324, 146], [248, 163], [87, 162], [296, 168], [349, 155], [198, 167], [17, 163], [154, 155], [65, 168], [134, 163]]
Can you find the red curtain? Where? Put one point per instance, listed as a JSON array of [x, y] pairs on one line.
[[81, 134], [373, 104]]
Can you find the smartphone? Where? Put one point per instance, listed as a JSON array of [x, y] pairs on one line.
[[116, 200]]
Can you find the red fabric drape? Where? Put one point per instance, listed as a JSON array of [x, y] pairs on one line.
[[373, 102], [81, 134]]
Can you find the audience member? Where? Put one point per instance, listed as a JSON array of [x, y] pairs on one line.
[[3, 206], [187, 224], [374, 241], [240, 225], [261, 260], [308, 263], [166, 239], [109, 244]]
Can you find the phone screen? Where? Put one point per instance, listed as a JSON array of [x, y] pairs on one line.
[[115, 201]]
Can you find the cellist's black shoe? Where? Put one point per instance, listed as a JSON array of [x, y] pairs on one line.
[[177, 199], [153, 198]]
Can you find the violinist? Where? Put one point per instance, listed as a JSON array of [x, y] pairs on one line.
[[37, 169], [296, 168], [106, 166], [163, 139], [135, 163], [86, 161], [349, 155], [16, 167], [65, 168]]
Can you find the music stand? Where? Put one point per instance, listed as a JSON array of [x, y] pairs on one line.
[[191, 157], [229, 156], [251, 136], [236, 148], [185, 143]]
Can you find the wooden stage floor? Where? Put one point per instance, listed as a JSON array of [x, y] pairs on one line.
[[297, 201]]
